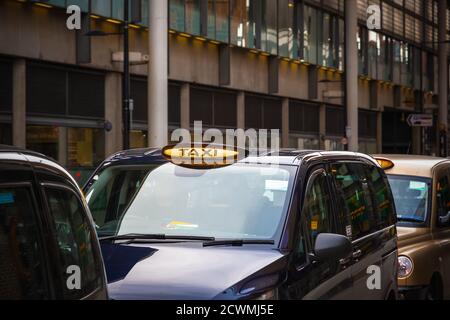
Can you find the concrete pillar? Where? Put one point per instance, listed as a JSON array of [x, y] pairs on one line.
[[380, 132], [322, 125], [158, 74], [19, 113], [351, 73], [443, 78], [62, 145], [285, 124], [185, 106], [113, 112], [241, 110]]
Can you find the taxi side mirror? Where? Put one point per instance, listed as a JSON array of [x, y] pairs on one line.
[[332, 247]]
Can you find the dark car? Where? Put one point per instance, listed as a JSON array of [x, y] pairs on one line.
[[48, 245], [291, 225]]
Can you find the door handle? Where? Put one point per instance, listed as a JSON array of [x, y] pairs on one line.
[[357, 254]]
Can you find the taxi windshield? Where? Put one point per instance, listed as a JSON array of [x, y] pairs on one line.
[[242, 201], [412, 198]]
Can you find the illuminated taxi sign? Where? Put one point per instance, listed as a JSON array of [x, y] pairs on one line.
[[385, 164], [201, 156]]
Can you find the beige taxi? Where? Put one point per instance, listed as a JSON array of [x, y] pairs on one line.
[[421, 190]]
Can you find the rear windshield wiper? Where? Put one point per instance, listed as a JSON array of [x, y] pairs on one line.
[[138, 236], [236, 243]]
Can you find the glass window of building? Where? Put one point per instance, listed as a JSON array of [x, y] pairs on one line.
[[303, 125], [407, 64], [138, 139], [213, 107], [177, 15], [362, 50], [269, 27], [384, 60], [85, 147], [396, 76], [367, 131], [44, 139], [78, 149], [86, 94], [74, 93], [5, 86], [335, 128], [287, 29], [101, 7], [5, 133], [83, 4], [262, 112], [139, 96], [218, 20], [44, 82], [310, 36], [174, 104], [192, 16], [242, 26], [326, 54], [372, 52]]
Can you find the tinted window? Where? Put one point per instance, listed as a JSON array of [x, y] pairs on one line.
[[316, 207], [75, 241], [382, 198], [354, 194], [21, 263]]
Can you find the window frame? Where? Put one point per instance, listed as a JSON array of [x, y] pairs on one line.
[[302, 230], [41, 236], [53, 236]]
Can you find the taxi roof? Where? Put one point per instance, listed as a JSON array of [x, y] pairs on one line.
[[283, 156], [412, 165]]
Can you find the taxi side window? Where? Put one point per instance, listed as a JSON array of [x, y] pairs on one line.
[[354, 193], [382, 198], [443, 201], [316, 207], [21, 262], [75, 243]]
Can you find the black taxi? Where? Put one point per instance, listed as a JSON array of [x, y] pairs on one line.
[[285, 225], [48, 245]]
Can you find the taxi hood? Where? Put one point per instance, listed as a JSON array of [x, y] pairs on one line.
[[185, 271], [410, 234]]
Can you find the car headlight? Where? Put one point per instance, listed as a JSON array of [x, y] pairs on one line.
[[405, 267]]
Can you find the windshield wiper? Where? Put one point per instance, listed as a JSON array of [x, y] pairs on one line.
[[236, 243], [409, 219], [138, 236]]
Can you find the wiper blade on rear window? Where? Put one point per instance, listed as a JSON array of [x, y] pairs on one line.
[[236, 243], [138, 236]]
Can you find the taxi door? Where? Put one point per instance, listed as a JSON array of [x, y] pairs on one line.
[[441, 224], [358, 222], [311, 278]]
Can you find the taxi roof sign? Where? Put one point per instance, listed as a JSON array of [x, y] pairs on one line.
[[385, 163], [202, 156]]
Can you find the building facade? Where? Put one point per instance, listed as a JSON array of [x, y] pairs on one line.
[[262, 64]]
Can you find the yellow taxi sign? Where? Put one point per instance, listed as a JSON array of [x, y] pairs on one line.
[[384, 163], [201, 156]]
